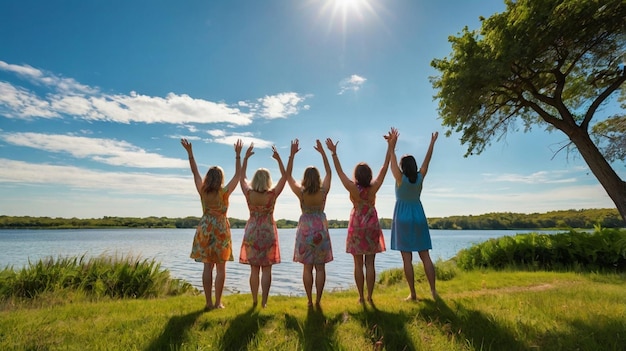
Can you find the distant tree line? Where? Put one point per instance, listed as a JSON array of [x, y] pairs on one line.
[[586, 218]]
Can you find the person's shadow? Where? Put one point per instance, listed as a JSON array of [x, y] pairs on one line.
[[386, 330], [242, 329], [317, 332], [173, 334], [471, 325]]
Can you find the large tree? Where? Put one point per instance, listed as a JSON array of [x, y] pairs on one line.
[[541, 63]]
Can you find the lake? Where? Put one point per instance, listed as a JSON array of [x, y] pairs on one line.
[[171, 247]]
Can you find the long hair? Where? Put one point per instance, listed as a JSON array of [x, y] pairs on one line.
[[408, 166], [363, 175], [262, 181], [311, 181], [214, 180]]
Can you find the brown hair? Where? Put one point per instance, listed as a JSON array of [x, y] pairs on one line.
[[311, 181], [363, 175], [214, 180]]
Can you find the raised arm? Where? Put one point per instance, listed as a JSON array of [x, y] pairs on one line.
[[329, 173], [393, 161], [429, 154], [233, 182], [347, 183], [243, 179], [295, 187], [278, 188], [192, 164], [391, 145]]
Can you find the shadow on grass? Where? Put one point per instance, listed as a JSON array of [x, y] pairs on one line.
[[595, 333], [317, 333], [241, 330], [173, 335], [384, 329], [473, 327]]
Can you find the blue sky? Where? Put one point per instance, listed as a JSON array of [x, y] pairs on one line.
[[95, 96]]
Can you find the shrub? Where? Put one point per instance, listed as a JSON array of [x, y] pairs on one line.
[[602, 250]]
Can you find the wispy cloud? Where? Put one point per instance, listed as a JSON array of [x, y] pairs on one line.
[[541, 177], [66, 97], [352, 83], [20, 172], [108, 151]]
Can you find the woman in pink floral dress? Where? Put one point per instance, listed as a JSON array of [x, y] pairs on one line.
[[212, 243], [313, 247], [260, 248], [365, 237]]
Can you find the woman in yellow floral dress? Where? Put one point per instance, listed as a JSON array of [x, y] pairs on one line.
[[212, 243]]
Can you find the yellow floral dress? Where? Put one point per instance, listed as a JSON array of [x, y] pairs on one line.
[[212, 242]]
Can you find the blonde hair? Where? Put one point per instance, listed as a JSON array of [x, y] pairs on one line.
[[214, 180], [262, 180]]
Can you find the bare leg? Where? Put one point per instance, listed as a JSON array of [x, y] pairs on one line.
[[429, 269], [370, 275], [320, 281], [358, 275], [266, 281], [407, 260], [207, 284], [254, 283], [220, 277], [307, 279]]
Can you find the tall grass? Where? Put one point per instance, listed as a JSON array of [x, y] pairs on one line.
[[103, 276], [603, 250]]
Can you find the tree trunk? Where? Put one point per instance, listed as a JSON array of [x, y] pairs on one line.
[[614, 186]]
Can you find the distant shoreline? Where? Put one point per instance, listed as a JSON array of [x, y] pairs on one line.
[[554, 220]]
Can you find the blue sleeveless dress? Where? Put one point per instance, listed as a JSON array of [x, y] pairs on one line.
[[409, 228]]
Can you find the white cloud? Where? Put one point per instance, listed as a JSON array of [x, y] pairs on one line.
[[281, 105], [541, 177], [352, 83], [108, 151], [68, 97]]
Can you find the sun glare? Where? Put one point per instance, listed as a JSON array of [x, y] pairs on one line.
[[344, 10]]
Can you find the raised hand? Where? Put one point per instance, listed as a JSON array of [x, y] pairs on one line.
[[275, 154], [250, 151], [332, 147], [318, 146], [238, 147], [295, 146], [186, 144]]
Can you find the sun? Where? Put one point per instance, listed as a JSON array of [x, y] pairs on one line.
[[343, 11]]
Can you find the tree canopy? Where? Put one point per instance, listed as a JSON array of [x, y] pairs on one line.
[[553, 64]]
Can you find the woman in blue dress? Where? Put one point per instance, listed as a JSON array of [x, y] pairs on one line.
[[409, 229]]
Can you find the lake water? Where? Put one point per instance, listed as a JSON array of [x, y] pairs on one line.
[[171, 247]]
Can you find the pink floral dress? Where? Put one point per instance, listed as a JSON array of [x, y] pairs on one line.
[[260, 240], [365, 236], [312, 238], [212, 242]]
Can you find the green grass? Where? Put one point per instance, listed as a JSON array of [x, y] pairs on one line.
[[479, 310], [508, 301]]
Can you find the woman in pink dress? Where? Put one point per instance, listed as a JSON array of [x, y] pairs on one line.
[[313, 247], [260, 248], [212, 243], [365, 237]]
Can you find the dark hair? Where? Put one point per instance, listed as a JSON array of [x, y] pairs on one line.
[[363, 175], [311, 181], [408, 166], [213, 180]]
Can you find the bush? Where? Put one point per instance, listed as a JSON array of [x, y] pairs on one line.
[[116, 277], [602, 250]]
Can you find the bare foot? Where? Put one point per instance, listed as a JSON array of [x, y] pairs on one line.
[[220, 306], [361, 301], [411, 298], [208, 308]]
